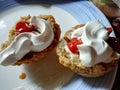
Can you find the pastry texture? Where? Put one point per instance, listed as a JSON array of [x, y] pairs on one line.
[[34, 56], [76, 65]]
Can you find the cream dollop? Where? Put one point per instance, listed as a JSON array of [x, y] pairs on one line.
[[94, 49], [23, 43]]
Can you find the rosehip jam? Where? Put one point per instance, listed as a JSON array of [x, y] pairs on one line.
[[23, 26], [109, 29], [72, 45]]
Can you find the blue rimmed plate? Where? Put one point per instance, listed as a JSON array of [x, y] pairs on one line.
[[48, 74]]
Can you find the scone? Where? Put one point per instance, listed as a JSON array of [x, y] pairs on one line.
[[30, 39], [88, 50]]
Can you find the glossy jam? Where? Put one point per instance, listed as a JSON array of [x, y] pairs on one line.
[[72, 45], [23, 26]]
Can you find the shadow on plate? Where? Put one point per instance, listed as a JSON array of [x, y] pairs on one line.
[[46, 1], [101, 83], [48, 74]]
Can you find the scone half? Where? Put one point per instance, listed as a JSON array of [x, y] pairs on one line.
[[76, 65], [35, 56]]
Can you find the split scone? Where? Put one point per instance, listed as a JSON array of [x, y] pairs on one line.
[[30, 39], [88, 50]]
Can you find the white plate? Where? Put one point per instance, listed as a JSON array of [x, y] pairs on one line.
[[48, 74]]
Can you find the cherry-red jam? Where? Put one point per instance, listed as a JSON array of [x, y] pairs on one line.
[[72, 45], [23, 26]]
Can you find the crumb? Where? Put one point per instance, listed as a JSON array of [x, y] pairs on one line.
[[22, 76]]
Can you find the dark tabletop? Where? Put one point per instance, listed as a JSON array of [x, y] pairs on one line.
[[116, 85]]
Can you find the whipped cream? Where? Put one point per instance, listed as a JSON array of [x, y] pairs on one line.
[[94, 49], [23, 43]]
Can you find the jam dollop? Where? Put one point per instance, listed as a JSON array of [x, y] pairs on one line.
[[23, 26], [72, 45]]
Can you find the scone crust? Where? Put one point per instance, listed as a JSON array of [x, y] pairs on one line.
[[35, 56], [76, 65]]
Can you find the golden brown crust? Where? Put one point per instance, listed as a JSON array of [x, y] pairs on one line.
[[35, 56], [76, 65]]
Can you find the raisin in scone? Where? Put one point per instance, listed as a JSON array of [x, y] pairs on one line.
[[88, 50], [30, 39]]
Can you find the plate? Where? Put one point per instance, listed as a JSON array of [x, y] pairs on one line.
[[48, 74]]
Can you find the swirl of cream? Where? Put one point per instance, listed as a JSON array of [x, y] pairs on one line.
[[23, 43], [94, 49]]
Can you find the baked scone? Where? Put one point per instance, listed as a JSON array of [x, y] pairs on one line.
[[70, 58], [32, 56]]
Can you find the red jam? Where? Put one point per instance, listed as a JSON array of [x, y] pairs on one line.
[[72, 45], [109, 29], [23, 26]]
